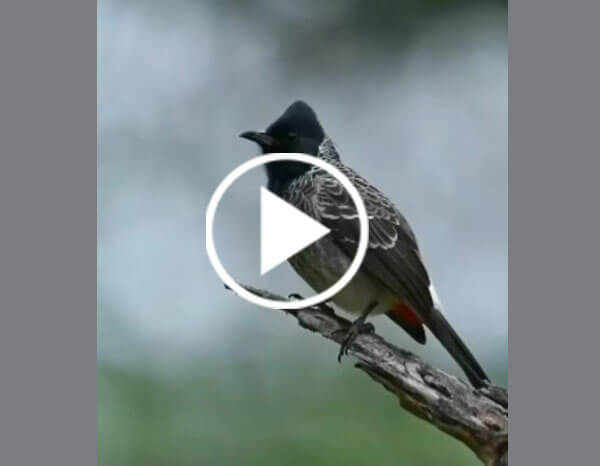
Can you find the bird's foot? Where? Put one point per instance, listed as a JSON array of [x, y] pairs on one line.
[[295, 296], [358, 327], [326, 308]]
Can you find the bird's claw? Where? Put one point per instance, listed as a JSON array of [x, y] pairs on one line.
[[295, 296], [324, 307], [353, 331]]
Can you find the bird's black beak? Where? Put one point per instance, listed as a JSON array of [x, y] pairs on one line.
[[262, 139]]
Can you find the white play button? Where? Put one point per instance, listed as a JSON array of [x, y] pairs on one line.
[[284, 230]]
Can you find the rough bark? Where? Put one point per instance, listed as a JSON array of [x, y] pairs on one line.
[[476, 417]]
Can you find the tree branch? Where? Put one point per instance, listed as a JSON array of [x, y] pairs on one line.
[[478, 418]]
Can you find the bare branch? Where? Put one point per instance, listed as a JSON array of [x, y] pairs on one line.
[[478, 418]]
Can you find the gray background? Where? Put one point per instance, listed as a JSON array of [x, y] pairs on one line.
[[48, 233], [49, 327], [553, 231]]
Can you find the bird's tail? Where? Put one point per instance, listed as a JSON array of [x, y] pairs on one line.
[[442, 330]]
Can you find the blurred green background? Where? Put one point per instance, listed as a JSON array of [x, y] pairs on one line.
[[415, 95]]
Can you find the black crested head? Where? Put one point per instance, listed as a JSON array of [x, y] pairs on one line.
[[297, 130]]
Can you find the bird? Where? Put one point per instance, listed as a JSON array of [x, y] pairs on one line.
[[392, 278]]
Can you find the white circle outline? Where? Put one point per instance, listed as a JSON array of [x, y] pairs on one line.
[[319, 298]]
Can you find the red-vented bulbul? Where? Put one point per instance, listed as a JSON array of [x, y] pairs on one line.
[[392, 278]]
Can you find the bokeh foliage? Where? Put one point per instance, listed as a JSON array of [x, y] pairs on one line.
[[340, 417]]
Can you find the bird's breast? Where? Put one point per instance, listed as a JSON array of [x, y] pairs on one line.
[[323, 263]]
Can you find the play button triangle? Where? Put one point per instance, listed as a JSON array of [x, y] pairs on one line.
[[284, 230]]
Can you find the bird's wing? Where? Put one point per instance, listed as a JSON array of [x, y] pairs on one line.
[[392, 257]]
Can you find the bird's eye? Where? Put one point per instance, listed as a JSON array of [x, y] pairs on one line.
[[292, 135]]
